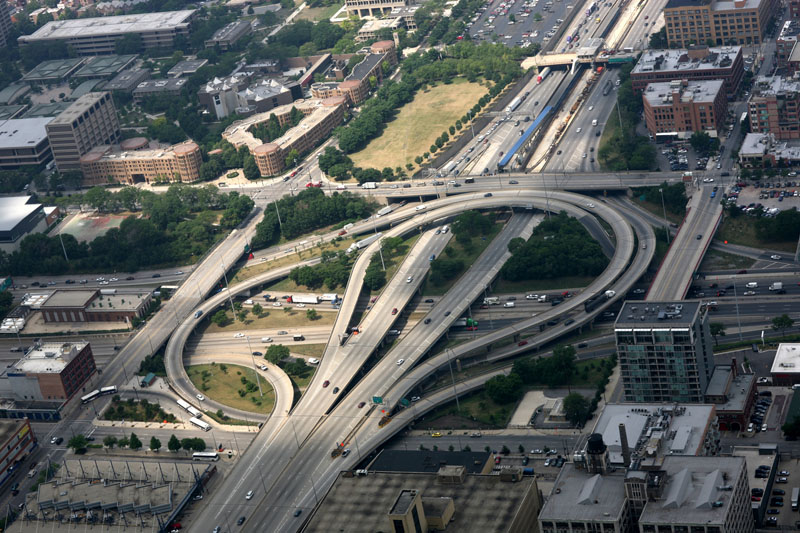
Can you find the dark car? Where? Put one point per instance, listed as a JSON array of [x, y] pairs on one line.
[[427, 321], [361, 404], [699, 236], [513, 182], [257, 353], [568, 322], [69, 281], [130, 278], [487, 195], [156, 275], [298, 512], [429, 301], [335, 390], [240, 521], [325, 383], [59, 440]]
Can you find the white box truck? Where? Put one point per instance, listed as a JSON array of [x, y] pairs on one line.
[[752, 285], [778, 285], [369, 185], [508, 304]]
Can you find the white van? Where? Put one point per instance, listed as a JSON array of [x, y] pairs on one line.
[[508, 304], [266, 339], [594, 122], [752, 285]]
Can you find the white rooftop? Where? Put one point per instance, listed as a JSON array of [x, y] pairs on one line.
[[660, 94], [787, 359], [119, 25], [679, 60], [23, 132], [13, 210], [48, 357]]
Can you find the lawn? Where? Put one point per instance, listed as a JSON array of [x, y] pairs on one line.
[[308, 350], [273, 317], [714, 260], [742, 230], [223, 383], [419, 123], [658, 210], [254, 267], [318, 13]]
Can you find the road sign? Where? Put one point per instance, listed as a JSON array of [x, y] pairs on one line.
[[404, 402], [377, 399]]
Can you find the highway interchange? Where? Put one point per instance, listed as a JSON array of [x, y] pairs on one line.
[[288, 463]]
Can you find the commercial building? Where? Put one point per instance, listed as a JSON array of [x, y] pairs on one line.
[[372, 28], [53, 71], [774, 107], [138, 496], [5, 23], [98, 36], [17, 441], [732, 392], [665, 351], [785, 43], [760, 149], [105, 66], [785, 369], [372, 8], [678, 108], [19, 217], [13, 92], [187, 67], [647, 433], [385, 501], [89, 121], [88, 305], [168, 87], [51, 371], [700, 494], [229, 34], [23, 142], [694, 64], [721, 22], [127, 80], [238, 94], [321, 117], [104, 164]]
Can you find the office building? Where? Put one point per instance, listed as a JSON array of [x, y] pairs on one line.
[[678, 108], [98, 36], [774, 107], [239, 94], [23, 142], [105, 66], [168, 87], [89, 121], [732, 392], [105, 164], [91, 305], [785, 369], [127, 80], [721, 22], [708, 494], [51, 371], [665, 351], [17, 441], [321, 117], [372, 8], [372, 28], [448, 499], [187, 67], [5, 23], [13, 92], [228, 35], [794, 9], [697, 63], [53, 71], [19, 217]]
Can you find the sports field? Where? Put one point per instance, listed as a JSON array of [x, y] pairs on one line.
[[85, 227], [419, 123]]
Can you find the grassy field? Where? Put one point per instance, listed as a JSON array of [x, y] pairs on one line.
[[657, 210], [222, 383], [255, 268], [742, 230], [318, 13], [418, 124], [455, 250], [308, 350], [567, 282], [714, 260], [274, 317]]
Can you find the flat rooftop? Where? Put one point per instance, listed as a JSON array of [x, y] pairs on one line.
[[428, 461], [700, 91], [54, 69], [187, 66], [737, 392], [14, 209], [662, 429], [105, 66], [755, 459], [157, 86], [679, 60], [47, 110], [78, 107], [787, 359], [482, 503], [127, 80], [362, 70], [23, 132], [119, 25], [581, 496], [48, 357], [232, 29], [640, 314], [775, 86], [122, 301], [691, 493], [755, 144], [70, 298]]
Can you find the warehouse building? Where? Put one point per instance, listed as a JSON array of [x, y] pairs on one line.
[[98, 36], [51, 371]]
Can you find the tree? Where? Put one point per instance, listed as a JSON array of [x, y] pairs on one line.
[[276, 353], [198, 444], [792, 429], [131, 43], [257, 309], [109, 441], [703, 143], [251, 171], [576, 408], [135, 443], [311, 314], [504, 389], [717, 330], [658, 40], [782, 323], [155, 444], [186, 444], [174, 443], [78, 443], [220, 318]]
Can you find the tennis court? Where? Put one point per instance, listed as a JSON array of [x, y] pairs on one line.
[[85, 227]]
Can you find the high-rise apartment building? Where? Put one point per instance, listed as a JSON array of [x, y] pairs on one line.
[[90, 121], [719, 22], [665, 351]]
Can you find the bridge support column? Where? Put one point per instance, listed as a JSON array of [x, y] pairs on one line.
[[516, 337]]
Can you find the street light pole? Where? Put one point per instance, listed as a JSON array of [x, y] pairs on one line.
[[663, 207], [736, 297], [255, 368]]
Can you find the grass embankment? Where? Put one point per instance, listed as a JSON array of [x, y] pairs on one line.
[[307, 350], [657, 210], [742, 230], [319, 13], [455, 250], [418, 123], [223, 383], [714, 260], [273, 317], [504, 286], [254, 267]]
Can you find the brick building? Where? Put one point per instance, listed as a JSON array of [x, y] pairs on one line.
[[721, 22], [679, 108], [774, 107], [357, 85], [104, 164], [693, 64], [51, 371], [94, 306]]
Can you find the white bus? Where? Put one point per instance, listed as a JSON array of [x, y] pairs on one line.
[[184, 404], [194, 412], [205, 456], [108, 390], [91, 396], [199, 423]]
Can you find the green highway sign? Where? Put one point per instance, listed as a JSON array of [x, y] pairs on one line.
[[377, 399]]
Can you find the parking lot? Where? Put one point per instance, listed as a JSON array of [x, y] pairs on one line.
[[772, 195], [785, 516], [515, 21]]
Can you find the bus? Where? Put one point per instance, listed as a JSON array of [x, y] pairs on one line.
[[205, 456], [194, 412], [91, 396], [199, 423], [108, 390], [184, 404]]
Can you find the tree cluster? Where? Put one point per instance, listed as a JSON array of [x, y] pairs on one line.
[[311, 209], [703, 143], [785, 226], [272, 129], [674, 196], [153, 363], [276, 353], [141, 411], [333, 271], [559, 246]]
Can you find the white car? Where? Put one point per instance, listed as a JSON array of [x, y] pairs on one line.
[[531, 296], [313, 361], [749, 293], [114, 279], [249, 495], [409, 279], [590, 206], [763, 381], [775, 257], [179, 273], [264, 368], [238, 335], [201, 397], [340, 187], [276, 304], [103, 283], [708, 180], [578, 130], [300, 305], [400, 362]]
